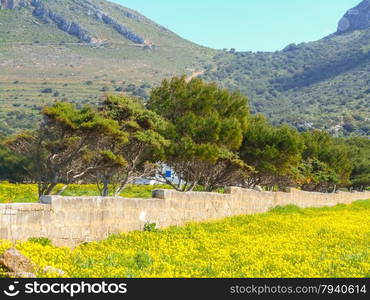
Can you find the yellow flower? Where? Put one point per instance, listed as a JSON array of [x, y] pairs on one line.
[[326, 242]]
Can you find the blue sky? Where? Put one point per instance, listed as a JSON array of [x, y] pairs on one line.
[[249, 25]]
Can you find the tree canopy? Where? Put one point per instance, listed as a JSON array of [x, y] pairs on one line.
[[326, 161], [274, 152], [12, 165], [359, 154], [60, 150], [206, 129], [203, 133], [142, 128]]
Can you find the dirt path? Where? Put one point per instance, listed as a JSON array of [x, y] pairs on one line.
[[194, 75]]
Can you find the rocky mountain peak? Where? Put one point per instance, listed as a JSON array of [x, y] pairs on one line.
[[47, 15], [356, 18], [11, 4]]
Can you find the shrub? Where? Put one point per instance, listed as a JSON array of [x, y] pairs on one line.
[[43, 241], [150, 227], [47, 91]]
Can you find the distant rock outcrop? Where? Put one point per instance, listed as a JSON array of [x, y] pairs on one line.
[[11, 4], [72, 28], [47, 15], [123, 30], [95, 11], [356, 18]]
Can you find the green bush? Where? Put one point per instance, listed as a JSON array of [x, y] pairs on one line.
[[40, 240], [150, 227]]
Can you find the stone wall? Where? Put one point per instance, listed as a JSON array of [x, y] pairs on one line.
[[68, 221]]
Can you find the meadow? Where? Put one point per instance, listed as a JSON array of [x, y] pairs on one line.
[[286, 242], [25, 193]]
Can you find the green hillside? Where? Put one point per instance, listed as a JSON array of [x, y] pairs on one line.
[[77, 50], [322, 84], [43, 57]]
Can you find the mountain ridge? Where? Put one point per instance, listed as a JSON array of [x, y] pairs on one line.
[[322, 84], [77, 50], [355, 18], [46, 14]]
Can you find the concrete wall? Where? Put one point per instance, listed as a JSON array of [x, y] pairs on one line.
[[68, 221]]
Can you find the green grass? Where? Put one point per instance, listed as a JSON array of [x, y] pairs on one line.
[[32, 53], [25, 193], [131, 191], [18, 193], [315, 242]]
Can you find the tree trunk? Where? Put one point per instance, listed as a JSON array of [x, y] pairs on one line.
[[46, 189], [105, 191], [102, 183], [122, 185], [63, 189]]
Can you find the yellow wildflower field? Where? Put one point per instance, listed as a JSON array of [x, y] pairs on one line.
[[286, 242]]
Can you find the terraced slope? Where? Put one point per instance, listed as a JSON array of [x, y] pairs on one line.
[[78, 50]]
